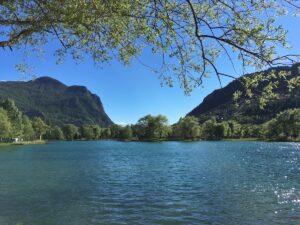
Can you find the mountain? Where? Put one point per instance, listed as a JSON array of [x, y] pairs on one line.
[[57, 103], [220, 104]]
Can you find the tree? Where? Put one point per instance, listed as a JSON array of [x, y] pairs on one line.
[[87, 132], [286, 125], [90, 131], [208, 129], [258, 131], [56, 133], [96, 131], [213, 130], [39, 126], [106, 133], [234, 129], [152, 127], [28, 131], [187, 128], [15, 118], [193, 33], [115, 130], [162, 129], [252, 131], [126, 133], [5, 125], [70, 131], [219, 131]]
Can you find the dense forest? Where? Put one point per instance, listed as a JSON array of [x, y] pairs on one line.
[[14, 126]]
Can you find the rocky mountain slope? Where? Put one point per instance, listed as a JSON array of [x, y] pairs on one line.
[[57, 103], [220, 104]]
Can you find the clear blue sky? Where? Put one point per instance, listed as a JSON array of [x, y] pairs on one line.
[[131, 92]]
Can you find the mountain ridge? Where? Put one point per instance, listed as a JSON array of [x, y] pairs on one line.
[[56, 102], [220, 104]]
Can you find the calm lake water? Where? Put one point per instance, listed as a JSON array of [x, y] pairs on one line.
[[107, 182]]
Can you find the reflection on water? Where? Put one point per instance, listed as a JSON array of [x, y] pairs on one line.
[[108, 182]]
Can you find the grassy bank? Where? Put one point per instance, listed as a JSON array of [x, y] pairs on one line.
[[37, 142], [243, 139]]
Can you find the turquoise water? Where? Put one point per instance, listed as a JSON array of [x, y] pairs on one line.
[[106, 182]]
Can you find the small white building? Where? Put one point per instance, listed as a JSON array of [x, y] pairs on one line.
[[16, 140]]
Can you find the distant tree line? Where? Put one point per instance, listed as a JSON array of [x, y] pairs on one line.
[[284, 127], [13, 124]]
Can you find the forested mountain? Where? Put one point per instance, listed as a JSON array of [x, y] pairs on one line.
[[221, 105], [55, 102]]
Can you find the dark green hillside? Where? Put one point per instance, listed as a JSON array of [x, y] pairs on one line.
[[57, 103], [220, 104]]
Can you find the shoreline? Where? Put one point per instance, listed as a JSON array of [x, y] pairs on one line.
[[3, 144], [38, 142], [183, 140]]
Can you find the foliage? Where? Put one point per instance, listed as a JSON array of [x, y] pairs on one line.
[[70, 131], [126, 133], [15, 116], [105, 133], [211, 130], [55, 133], [234, 129], [97, 131], [115, 130], [190, 36], [86, 131], [286, 126], [90, 132], [5, 125], [187, 128], [28, 131], [13, 124], [152, 127], [39, 126]]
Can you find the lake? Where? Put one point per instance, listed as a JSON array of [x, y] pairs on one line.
[[108, 182]]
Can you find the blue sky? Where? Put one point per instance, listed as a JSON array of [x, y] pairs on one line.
[[127, 92]]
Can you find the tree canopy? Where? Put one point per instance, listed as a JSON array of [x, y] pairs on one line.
[[39, 126], [189, 35], [152, 127]]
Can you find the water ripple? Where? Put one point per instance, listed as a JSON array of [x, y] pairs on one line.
[[105, 182]]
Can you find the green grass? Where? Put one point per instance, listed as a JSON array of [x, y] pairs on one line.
[[242, 139], [37, 142]]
